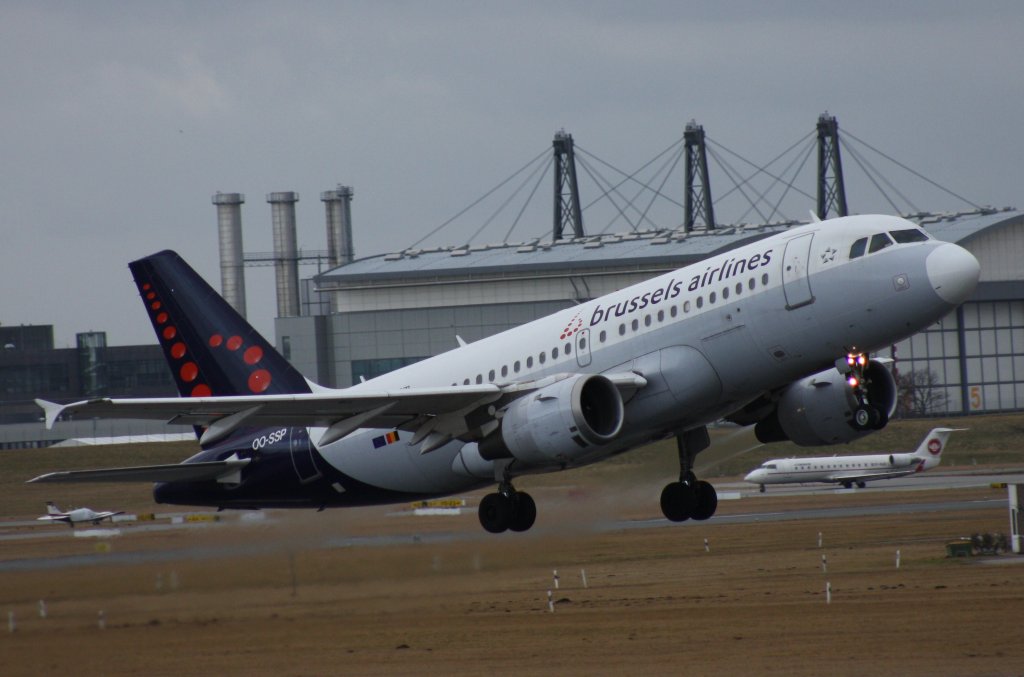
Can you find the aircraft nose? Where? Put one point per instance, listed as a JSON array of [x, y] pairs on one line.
[[752, 476], [953, 273]]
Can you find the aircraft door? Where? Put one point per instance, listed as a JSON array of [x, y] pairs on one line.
[[583, 347], [302, 455], [796, 284]]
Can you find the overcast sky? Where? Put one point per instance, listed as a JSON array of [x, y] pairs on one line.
[[120, 120]]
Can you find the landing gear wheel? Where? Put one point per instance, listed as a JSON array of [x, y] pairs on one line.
[[866, 417], [496, 512], [525, 512], [678, 501], [706, 499]]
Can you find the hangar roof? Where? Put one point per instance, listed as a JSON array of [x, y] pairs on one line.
[[616, 250]]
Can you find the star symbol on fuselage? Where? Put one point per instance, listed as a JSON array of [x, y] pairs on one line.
[[828, 255]]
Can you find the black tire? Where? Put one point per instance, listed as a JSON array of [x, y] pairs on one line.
[[678, 501], [525, 512], [495, 512], [864, 417], [706, 501]]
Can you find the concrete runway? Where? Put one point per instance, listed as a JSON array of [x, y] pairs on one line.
[[468, 530]]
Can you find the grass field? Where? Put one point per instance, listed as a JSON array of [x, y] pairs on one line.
[[277, 598]]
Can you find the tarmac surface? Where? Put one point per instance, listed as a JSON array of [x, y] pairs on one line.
[[798, 581]]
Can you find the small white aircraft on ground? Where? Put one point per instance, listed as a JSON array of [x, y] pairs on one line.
[[73, 517], [850, 470]]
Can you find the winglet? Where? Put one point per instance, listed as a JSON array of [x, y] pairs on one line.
[[814, 217], [52, 410]]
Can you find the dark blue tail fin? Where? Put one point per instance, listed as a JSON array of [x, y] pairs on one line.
[[209, 347]]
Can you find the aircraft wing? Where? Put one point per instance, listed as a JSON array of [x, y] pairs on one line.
[[425, 410], [183, 472]]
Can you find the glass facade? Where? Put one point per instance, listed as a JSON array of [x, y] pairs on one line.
[[990, 377]]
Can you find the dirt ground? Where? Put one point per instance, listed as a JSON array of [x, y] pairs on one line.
[[288, 596]]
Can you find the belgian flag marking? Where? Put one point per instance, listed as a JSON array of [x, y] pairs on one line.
[[384, 440]]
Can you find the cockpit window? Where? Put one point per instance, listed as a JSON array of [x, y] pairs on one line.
[[771, 466], [857, 250], [908, 235], [879, 241]]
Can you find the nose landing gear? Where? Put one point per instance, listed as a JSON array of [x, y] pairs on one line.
[[866, 416]]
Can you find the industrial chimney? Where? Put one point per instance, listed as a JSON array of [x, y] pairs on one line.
[[286, 265], [338, 205], [229, 232]]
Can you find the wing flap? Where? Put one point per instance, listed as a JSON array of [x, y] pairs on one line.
[[177, 472]]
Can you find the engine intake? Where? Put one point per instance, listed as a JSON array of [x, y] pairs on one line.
[[559, 423]]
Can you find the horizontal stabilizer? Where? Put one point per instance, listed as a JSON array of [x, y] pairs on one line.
[[177, 472]]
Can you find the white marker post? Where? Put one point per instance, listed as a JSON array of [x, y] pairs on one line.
[[897, 558], [828, 593], [583, 575], [102, 620], [555, 575], [42, 609], [551, 604], [707, 546], [824, 564], [819, 539]]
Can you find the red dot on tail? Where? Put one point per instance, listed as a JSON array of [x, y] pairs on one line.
[[201, 390], [161, 318], [155, 305], [234, 343], [170, 332], [259, 380], [178, 350], [189, 371], [151, 295], [253, 355], [145, 286], [216, 340]]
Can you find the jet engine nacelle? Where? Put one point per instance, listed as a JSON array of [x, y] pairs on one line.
[[820, 409], [559, 423]]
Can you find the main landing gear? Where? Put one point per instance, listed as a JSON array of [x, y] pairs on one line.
[[689, 498], [507, 509], [866, 416]]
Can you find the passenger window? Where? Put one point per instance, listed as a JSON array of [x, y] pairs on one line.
[[661, 316], [739, 288], [909, 235], [673, 311], [751, 284], [725, 293], [686, 307], [857, 250], [515, 367], [568, 346], [504, 370], [711, 297], [542, 358], [635, 324], [554, 353], [490, 376], [602, 336], [529, 361], [479, 379], [466, 382], [879, 241], [700, 301], [764, 279], [647, 320], [622, 330]]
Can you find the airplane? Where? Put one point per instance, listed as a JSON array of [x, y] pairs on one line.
[[850, 470], [73, 517], [774, 333]]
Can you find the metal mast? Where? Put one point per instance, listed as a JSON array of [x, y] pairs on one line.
[[567, 192], [698, 188], [831, 190]]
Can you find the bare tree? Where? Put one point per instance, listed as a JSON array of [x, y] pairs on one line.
[[919, 394]]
